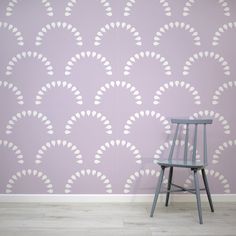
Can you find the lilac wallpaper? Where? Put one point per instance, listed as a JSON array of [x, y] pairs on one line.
[[88, 87]]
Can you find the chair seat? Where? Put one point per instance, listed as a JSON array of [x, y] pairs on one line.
[[182, 163]]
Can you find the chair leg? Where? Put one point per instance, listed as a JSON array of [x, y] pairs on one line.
[[207, 189], [158, 189], [169, 185], [197, 189]]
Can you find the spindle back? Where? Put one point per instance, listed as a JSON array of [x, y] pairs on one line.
[[188, 123]]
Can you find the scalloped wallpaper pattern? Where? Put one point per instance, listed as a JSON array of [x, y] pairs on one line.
[[87, 89]]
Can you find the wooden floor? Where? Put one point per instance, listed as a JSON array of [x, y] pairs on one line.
[[112, 219]]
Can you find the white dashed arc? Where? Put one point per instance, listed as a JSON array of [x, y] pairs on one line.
[[14, 89], [176, 84], [12, 4], [166, 145], [29, 54], [117, 84], [71, 3], [118, 143], [139, 174], [218, 152], [29, 172], [14, 31], [118, 25], [177, 25], [129, 5], [147, 54], [11, 146], [221, 30], [88, 54], [204, 55], [215, 115], [88, 113], [88, 172], [58, 25], [59, 143], [29, 113], [223, 88], [216, 175], [58, 84], [146, 113], [188, 5]]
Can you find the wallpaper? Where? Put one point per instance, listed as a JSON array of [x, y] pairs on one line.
[[88, 88]]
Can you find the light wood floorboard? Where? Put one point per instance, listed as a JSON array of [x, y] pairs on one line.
[[114, 219]]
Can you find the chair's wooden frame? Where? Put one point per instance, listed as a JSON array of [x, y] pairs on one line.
[[193, 165]]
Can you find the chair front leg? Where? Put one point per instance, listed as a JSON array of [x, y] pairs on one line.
[[158, 189], [169, 185], [207, 189], [197, 189]]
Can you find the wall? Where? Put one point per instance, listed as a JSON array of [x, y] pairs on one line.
[[88, 89]]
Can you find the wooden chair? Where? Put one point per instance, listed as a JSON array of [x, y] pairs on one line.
[[185, 162]]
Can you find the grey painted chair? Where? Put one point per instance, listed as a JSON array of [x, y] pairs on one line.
[[185, 162]]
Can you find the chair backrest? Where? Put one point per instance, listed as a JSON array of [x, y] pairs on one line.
[[187, 123]]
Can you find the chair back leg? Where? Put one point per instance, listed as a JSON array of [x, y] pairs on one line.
[[207, 189], [197, 189], [158, 189], [169, 185]]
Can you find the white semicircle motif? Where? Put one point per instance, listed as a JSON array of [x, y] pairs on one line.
[[139, 174], [88, 172], [146, 113], [117, 84], [166, 145], [59, 143], [88, 54], [14, 90], [221, 89], [58, 25], [205, 55], [147, 54], [176, 84], [71, 3], [12, 3], [215, 115], [218, 152], [58, 84], [216, 175], [117, 25], [177, 25], [29, 113], [188, 5], [117, 143], [129, 5], [12, 29], [86, 114], [29, 54], [221, 30], [29, 173], [11, 146]]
